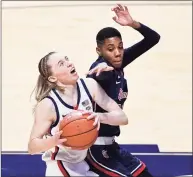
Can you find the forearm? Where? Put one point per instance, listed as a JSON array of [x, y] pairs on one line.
[[38, 145], [114, 118], [145, 31], [106, 75], [151, 38]]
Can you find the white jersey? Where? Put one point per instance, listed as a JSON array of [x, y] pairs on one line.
[[84, 102]]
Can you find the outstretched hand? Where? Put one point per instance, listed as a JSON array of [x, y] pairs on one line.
[[123, 16], [100, 68]]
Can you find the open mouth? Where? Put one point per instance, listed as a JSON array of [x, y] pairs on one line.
[[73, 71]]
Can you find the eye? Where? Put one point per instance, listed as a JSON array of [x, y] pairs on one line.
[[110, 50], [66, 58], [121, 47], [61, 63]]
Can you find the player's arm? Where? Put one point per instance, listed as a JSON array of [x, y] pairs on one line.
[[44, 117], [114, 115], [151, 38]]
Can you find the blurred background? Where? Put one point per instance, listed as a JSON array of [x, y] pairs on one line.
[[159, 81]]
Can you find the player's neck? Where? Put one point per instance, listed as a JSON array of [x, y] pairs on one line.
[[70, 90]]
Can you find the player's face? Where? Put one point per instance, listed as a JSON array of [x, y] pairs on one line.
[[63, 71], [112, 50]]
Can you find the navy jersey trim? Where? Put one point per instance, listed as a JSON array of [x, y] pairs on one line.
[[64, 103], [57, 112], [86, 89]]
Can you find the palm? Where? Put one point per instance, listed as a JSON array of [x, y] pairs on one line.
[[122, 15]]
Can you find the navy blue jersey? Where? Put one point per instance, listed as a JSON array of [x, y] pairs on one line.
[[114, 83]]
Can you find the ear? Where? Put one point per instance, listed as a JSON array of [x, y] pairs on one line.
[[98, 50], [52, 79]]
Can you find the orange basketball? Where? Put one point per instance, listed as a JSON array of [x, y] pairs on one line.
[[78, 130]]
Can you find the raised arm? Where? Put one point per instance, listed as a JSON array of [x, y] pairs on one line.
[[44, 117], [114, 115], [151, 37]]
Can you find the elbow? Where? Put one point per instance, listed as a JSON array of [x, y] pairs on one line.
[[153, 40], [125, 122], [156, 38], [31, 150]]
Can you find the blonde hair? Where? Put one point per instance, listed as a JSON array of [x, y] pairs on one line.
[[43, 85]]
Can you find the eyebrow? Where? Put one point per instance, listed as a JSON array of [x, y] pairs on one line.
[[65, 57], [109, 45]]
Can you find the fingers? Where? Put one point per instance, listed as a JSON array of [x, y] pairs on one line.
[[96, 121], [92, 116], [58, 133], [99, 71], [109, 68], [86, 112], [60, 141], [92, 70], [120, 7], [126, 9], [56, 138], [115, 19], [115, 9], [98, 126], [101, 67]]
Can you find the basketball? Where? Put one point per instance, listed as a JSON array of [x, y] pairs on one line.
[[78, 130]]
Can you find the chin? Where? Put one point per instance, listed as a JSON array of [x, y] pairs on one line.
[[117, 65], [75, 78]]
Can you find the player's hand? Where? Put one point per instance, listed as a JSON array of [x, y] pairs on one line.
[[56, 138], [123, 16], [96, 116], [100, 68]]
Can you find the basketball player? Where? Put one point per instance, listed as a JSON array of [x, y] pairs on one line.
[[60, 91], [106, 157]]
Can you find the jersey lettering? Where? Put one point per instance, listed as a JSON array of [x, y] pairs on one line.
[[122, 95]]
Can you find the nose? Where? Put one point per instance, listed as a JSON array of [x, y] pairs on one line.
[[117, 53], [69, 64]]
